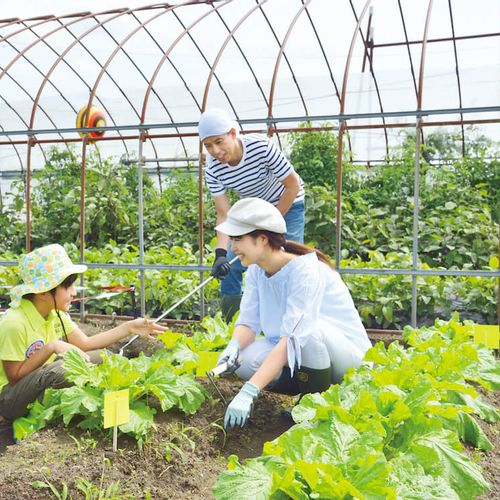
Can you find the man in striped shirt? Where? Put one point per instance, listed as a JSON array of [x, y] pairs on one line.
[[252, 166]]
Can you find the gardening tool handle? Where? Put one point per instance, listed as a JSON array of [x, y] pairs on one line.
[[177, 304], [201, 285], [223, 367]]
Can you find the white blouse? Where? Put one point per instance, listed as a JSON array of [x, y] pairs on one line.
[[305, 298]]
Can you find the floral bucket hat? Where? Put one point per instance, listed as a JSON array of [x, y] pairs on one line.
[[42, 270]]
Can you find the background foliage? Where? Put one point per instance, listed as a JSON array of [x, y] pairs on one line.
[[459, 209]]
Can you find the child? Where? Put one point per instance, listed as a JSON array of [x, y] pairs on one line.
[[312, 331], [36, 330]]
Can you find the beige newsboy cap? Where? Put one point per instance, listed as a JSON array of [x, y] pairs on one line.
[[250, 214]]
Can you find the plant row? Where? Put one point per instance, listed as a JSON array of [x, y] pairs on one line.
[[164, 380], [391, 430], [382, 300], [458, 204]]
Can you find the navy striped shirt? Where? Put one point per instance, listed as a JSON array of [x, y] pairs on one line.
[[259, 173]]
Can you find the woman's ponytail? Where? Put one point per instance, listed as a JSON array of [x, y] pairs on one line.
[[299, 249], [277, 241]]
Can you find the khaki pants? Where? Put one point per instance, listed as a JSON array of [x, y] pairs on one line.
[[14, 399]]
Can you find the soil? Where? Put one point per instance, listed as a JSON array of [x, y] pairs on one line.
[[182, 461]]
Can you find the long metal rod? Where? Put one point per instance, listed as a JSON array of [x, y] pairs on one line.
[[140, 193], [457, 72], [338, 215], [416, 200], [281, 54], [344, 270], [256, 131], [83, 176], [416, 179], [298, 118], [372, 73], [177, 304], [220, 52], [165, 57], [435, 40]]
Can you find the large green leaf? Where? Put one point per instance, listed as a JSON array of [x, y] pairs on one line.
[[191, 393], [486, 411], [81, 401], [469, 431], [463, 475], [141, 423], [413, 483], [77, 370], [252, 481]]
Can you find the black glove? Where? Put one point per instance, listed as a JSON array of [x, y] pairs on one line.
[[221, 266]]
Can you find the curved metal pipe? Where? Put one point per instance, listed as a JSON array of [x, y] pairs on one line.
[[422, 57], [221, 50], [338, 215], [39, 39], [372, 72], [458, 75], [416, 182], [330, 72], [120, 45], [14, 33], [167, 54], [278, 61], [64, 52], [8, 104]]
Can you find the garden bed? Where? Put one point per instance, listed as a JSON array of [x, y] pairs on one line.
[[183, 459]]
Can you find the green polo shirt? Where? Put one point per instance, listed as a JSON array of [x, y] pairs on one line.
[[23, 332]]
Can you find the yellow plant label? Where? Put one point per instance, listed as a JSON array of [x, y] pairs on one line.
[[206, 362], [489, 335], [116, 409]]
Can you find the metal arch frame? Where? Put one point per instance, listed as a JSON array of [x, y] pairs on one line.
[[206, 60], [167, 8], [58, 19], [22, 121], [409, 56], [338, 215], [245, 58], [159, 98], [36, 103], [174, 67], [270, 121], [330, 72], [211, 74], [19, 21], [281, 54], [24, 56], [458, 74], [418, 133], [270, 131], [166, 55], [20, 163], [372, 72], [214, 65]]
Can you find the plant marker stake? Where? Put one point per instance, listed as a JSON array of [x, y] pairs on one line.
[[177, 304], [116, 412], [115, 429]]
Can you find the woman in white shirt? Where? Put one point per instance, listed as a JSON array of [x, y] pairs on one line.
[[312, 331]]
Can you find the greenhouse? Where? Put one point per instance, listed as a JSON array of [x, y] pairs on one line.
[[386, 116]]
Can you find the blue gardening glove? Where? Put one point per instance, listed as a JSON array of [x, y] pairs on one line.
[[221, 266], [230, 355], [240, 408]]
